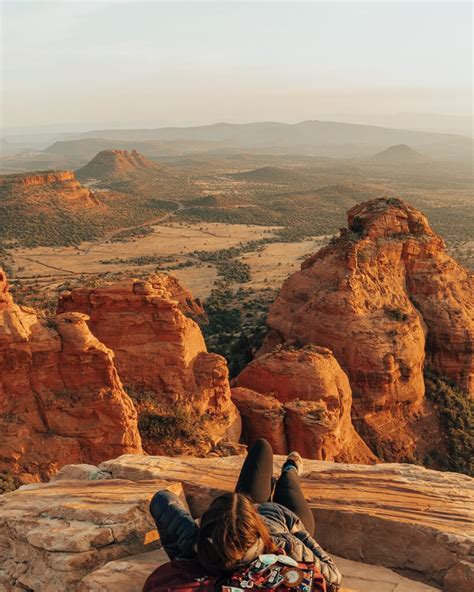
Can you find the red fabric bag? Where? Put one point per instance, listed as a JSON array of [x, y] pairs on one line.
[[183, 575], [189, 576]]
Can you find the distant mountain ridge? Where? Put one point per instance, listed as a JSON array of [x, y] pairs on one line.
[[325, 138]]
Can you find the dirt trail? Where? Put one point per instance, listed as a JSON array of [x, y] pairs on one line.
[[109, 235], [48, 266]]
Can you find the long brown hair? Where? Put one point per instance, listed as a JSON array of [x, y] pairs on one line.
[[227, 531]]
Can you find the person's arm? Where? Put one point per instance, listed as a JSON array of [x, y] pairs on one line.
[[322, 560], [175, 525], [312, 552]]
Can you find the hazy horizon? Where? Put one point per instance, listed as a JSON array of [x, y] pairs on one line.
[[72, 66]]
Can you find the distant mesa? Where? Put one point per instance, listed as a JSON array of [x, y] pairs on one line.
[[110, 165], [38, 186], [401, 153], [269, 174]]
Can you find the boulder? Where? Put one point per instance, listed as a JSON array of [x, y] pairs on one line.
[[310, 401], [263, 416]]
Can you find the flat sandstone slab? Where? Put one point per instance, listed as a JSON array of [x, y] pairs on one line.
[[52, 535], [399, 516]]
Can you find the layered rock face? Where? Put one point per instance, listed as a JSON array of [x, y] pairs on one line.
[[382, 297], [188, 305], [113, 164], [158, 350], [302, 400], [61, 400], [35, 186]]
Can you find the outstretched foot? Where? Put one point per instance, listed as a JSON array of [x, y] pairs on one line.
[[293, 461]]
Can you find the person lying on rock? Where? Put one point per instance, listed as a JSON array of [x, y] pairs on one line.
[[260, 520]]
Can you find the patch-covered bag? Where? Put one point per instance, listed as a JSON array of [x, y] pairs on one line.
[[267, 573], [277, 573]]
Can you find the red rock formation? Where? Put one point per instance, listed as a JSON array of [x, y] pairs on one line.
[[315, 396], [188, 305], [61, 400], [263, 416], [158, 349], [114, 164], [382, 296], [38, 185]]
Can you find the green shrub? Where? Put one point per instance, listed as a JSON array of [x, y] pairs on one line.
[[456, 413], [180, 425]]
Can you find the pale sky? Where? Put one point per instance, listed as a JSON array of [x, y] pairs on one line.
[[124, 63]]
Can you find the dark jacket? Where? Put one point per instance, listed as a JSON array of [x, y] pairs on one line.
[[178, 532]]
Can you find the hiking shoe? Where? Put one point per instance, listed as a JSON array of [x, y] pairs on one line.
[[293, 461]]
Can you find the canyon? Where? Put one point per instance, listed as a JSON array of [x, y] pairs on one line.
[[340, 375], [116, 395]]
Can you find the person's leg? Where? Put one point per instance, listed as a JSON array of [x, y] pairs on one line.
[[288, 493], [255, 479]]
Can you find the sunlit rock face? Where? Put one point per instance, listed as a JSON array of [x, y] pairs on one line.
[[304, 398], [385, 298], [159, 350], [61, 399]]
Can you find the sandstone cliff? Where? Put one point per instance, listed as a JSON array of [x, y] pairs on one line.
[[40, 186], [110, 165], [301, 400], [61, 400], [383, 297], [160, 356]]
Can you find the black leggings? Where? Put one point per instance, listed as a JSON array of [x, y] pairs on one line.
[[255, 480]]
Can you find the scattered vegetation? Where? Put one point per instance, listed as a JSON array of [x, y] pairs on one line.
[[132, 233], [236, 324], [396, 314], [456, 412], [139, 261], [170, 430], [68, 395], [234, 272], [8, 482], [179, 425]]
